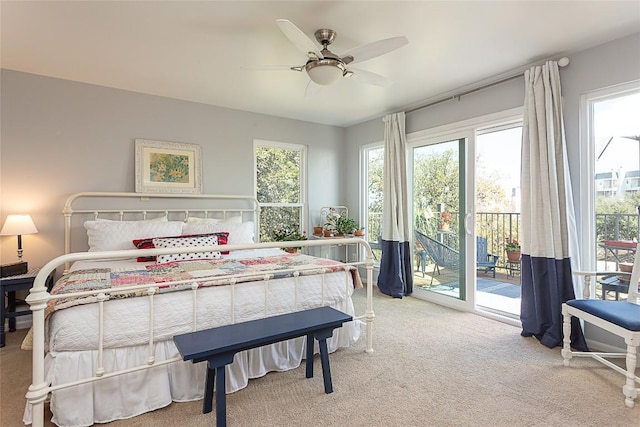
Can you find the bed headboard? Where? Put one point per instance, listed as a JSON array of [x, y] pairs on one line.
[[80, 207]]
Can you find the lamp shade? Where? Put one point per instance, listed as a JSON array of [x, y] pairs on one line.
[[16, 225]]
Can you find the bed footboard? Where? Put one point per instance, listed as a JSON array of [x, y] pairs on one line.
[[39, 299]]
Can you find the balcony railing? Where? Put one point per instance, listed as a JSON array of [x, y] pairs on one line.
[[498, 227]]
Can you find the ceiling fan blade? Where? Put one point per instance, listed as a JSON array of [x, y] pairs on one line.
[[369, 78], [372, 50], [274, 67], [298, 38]]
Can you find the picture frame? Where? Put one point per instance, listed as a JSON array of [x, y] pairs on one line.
[[168, 167]]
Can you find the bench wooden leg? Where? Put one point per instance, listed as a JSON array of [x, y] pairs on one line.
[[207, 404], [217, 375], [221, 398], [326, 371], [322, 336], [310, 343]]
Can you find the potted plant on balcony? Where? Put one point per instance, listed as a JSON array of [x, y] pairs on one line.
[[289, 234], [512, 247], [445, 220]]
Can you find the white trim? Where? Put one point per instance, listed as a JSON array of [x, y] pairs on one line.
[[488, 120], [586, 184], [363, 195], [468, 129], [363, 173]]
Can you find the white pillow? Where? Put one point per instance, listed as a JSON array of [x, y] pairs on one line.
[[186, 242], [119, 235], [158, 219], [229, 220], [239, 234]]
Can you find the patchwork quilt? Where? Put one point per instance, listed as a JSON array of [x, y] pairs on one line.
[[181, 275]]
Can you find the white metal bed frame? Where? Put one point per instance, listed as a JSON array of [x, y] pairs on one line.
[[38, 298]]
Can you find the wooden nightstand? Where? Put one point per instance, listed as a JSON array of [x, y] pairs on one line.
[[10, 285]]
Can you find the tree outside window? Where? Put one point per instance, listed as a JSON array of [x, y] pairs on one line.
[[279, 186]]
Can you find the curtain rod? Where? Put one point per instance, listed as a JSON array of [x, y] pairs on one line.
[[562, 62]]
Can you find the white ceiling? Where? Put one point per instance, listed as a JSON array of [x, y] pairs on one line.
[[202, 51]]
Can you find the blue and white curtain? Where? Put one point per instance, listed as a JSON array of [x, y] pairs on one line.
[[549, 239], [395, 278]]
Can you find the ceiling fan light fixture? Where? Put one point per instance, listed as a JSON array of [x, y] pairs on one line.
[[325, 71]]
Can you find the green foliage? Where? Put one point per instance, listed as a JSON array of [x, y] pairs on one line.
[[288, 234], [617, 218], [346, 225], [274, 217], [511, 245], [278, 181], [278, 175], [376, 179], [435, 182]]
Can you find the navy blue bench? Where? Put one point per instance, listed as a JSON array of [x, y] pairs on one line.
[[219, 345]]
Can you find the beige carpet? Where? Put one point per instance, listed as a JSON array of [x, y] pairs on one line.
[[432, 366]]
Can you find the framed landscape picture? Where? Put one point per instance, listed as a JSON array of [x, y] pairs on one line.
[[168, 167]]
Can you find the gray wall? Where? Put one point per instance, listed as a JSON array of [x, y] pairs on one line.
[[59, 137], [602, 66]]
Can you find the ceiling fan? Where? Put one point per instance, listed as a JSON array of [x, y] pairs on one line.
[[325, 67]]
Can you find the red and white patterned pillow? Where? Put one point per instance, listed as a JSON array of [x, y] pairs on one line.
[[147, 243], [187, 242]]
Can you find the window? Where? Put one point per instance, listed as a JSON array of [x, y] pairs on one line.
[[280, 186], [373, 158], [613, 192]]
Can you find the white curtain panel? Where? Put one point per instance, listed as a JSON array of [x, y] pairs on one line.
[[395, 225], [549, 237], [548, 216], [395, 278]]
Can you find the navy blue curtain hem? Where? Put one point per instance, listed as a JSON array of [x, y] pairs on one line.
[[396, 275], [546, 284]]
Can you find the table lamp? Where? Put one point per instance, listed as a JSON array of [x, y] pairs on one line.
[[17, 225]]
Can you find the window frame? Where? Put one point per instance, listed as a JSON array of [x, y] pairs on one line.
[[302, 203], [363, 189], [587, 257]]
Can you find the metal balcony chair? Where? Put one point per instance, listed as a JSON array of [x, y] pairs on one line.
[[485, 261], [621, 318], [441, 254], [445, 256]]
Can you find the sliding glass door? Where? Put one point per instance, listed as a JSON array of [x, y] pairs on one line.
[[438, 215], [497, 218], [466, 208]]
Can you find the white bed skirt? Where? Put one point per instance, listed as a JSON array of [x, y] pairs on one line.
[[106, 400]]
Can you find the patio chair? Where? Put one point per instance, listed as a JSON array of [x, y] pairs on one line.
[[441, 254], [621, 318], [485, 261]]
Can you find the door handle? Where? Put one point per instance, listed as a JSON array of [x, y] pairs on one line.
[[467, 228]]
